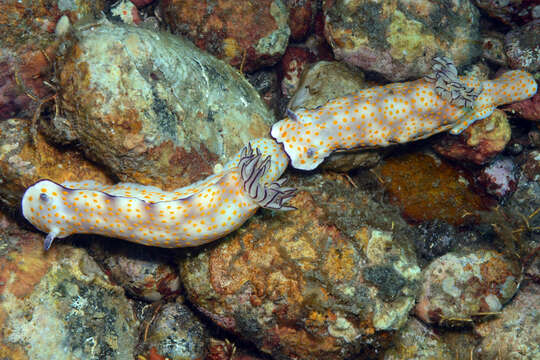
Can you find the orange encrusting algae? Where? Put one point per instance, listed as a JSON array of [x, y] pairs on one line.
[[395, 113]]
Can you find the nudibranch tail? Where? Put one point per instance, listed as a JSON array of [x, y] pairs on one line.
[[397, 113], [191, 216]]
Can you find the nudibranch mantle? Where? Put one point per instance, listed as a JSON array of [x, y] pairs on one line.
[[397, 113], [190, 216]]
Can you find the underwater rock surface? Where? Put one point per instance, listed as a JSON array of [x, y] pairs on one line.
[[251, 34], [520, 339], [457, 287], [480, 142], [176, 333], [23, 162], [318, 283], [153, 108], [398, 39], [59, 306]]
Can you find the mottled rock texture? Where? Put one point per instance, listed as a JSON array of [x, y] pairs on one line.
[[398, 39], [27, 49], [59, 305], [153, 108], [480, 142], [324, 282], [515, 334], [24, 160], [246, 34], [456, 288]]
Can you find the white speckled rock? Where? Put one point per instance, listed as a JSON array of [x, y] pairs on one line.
[[457, 287]]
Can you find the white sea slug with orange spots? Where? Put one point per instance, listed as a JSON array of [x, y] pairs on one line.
[[190, 216], [397, 113]]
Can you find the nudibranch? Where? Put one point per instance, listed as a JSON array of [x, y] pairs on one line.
[[190, 216], [397, 113]]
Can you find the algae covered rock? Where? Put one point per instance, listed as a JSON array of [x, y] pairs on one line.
[[398, 39], [324, 282], [152, 107]]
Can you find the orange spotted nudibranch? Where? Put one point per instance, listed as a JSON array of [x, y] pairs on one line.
[[190, 216], [397, 113]]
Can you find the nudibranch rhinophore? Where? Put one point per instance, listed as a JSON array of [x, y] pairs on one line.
[[397, 113], [190, 216]]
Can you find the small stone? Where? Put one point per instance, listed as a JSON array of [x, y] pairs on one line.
[[176, 333], [457, 288], [480, 142], [500, 178], [435, 238]]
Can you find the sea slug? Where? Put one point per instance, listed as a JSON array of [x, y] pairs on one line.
[[397, 113], [190, 216]]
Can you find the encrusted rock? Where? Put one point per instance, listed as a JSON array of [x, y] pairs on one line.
[[480, 142], [514, 334], [418, 341], [145, 273], [23, 162], [60, 305], [176, 333], [398, 39], [319, 284], [457, 288], [301, 16], [153, 108], [247, 34], [522, 47], [500, 178]]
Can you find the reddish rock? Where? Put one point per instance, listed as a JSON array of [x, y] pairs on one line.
[[511, 12], [301, 15], [398, 39], [480, 142], [141, 3], [325, 283], [246, 34], [27, 50], [457, 288], [293, 64], [500, 178], [527, 109], [23, 162]]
